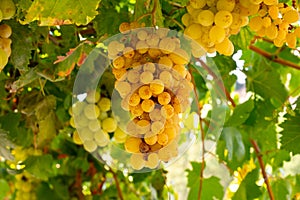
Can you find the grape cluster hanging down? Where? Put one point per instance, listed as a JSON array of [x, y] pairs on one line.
[[7, 11], [211, 22], [93, 121], [152, 80]]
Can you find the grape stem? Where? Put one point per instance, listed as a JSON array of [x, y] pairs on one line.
[[120, 194], [219, 82], [176, 22], [152, 13], [273, 58], [262, 167], [199, 109]]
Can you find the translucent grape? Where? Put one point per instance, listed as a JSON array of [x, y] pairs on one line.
[[137, 161], [152, 161], [90, 145], [91, 111], [101, 138], [146, 77]]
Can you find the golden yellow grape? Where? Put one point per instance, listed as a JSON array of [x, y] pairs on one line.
[[132, 144], [206, 18], [217, 34], [134, 99], [223, 19], [137, 161], [145, 92], [109, 125], [5, 31], [156, 86], [291, 16], [194, 31], [3, 59], [164, 98], [148, 105]]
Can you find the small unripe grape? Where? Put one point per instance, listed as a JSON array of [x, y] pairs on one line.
[[120, 136]]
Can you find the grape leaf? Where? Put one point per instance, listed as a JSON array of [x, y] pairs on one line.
[[27, 78], [290, 139], [240, 114], [77, 56], [280, 189], [265, 81], [248, 189], [58, 12], [22, 45], [211, 188], [243, 39], [39, 166], [234, 143], [47, 130], [4, 188]]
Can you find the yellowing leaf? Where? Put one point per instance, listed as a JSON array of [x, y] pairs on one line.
[[58, 12]]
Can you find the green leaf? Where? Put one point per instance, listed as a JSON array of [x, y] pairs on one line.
[[39, 166], [290, 139], [47, 130], [26, 78], [5, 144], [211, 188], [266, 82], [234, 144], [4, 188], [22, 46], [240, 114], [248, 189], [243, 39], [58, 12], [280, 189]]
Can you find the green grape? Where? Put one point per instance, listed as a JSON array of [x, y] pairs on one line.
[[85, 134], [104, 104], [81, 121], [101, 138], [206, 18], [8, 9], [78, 107], [120, 136], [109, 125], [103, 115], [94, 125], [90, 145], [91, 111], [137, 161], [92, 96], [223, 19]]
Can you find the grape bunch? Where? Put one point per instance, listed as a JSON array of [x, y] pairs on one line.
[[25, 185], [211, 22], [154, 86], [7, 11], [93, 121], [21, 154], [277, 22], [5, 43]]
